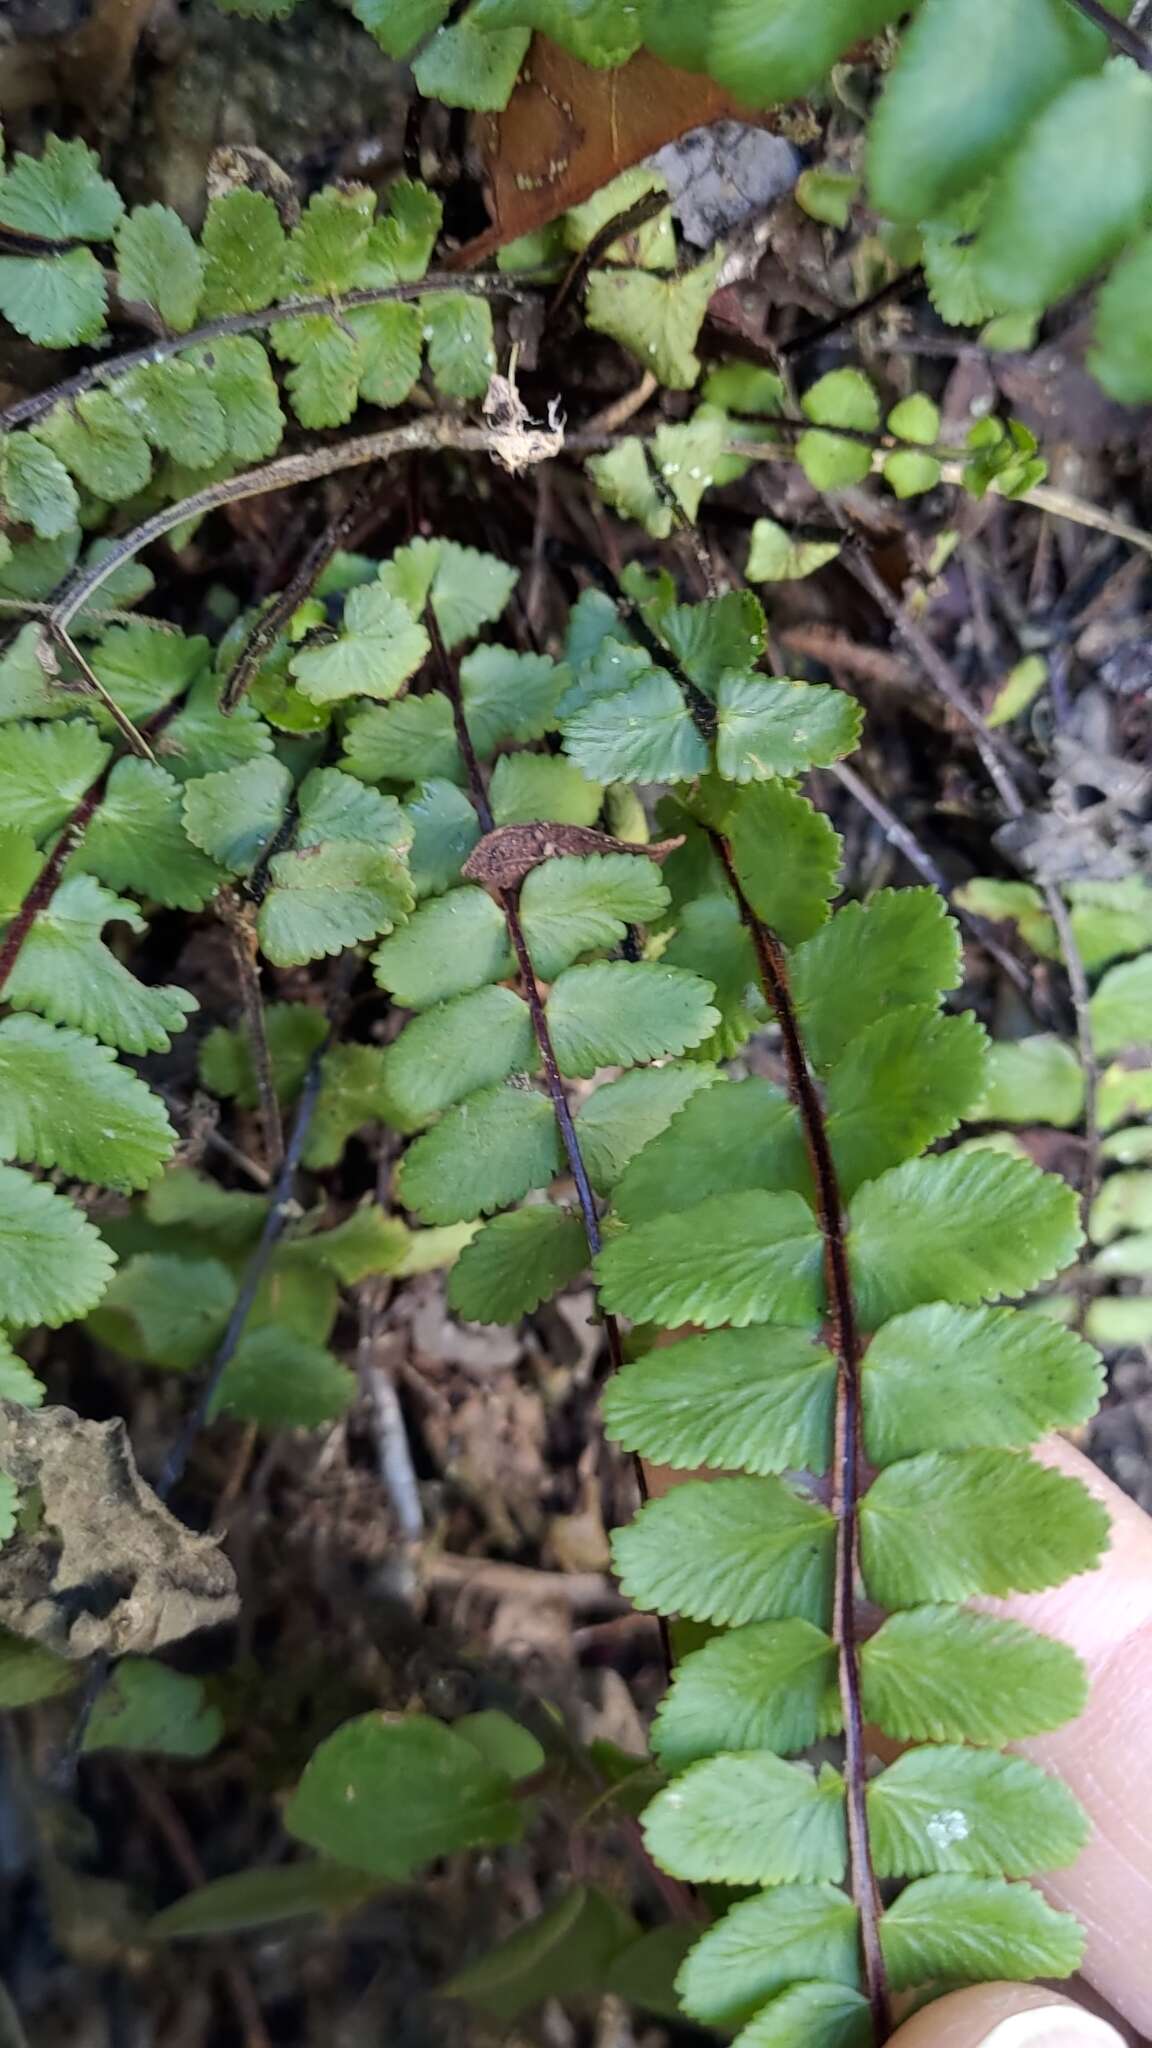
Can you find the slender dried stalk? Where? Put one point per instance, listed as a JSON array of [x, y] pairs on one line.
[[267, 628], [280, 1209], [307, 466]]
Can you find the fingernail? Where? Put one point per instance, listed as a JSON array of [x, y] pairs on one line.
[[1052, 2026]]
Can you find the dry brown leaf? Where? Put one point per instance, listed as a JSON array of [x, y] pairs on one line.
[[567, 130], [102, 1566], [502, 858]]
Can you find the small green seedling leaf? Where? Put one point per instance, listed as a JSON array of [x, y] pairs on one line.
[[388, 1795], [658, 319], [564, 1953], [149, 1707], [777, 556]]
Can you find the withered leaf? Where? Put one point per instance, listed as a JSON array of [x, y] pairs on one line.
[[502, 858], [99, 1564], [568, 129]]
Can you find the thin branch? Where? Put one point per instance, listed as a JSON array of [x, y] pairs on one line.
[[896, 288], [94, 687], [41, 402], [239, 920], [1063, 505], [847, 1456], [271, 622], [636, 216], [280, 1209], [307, 466], [612, 417], [1117, 31], [1041, 497]]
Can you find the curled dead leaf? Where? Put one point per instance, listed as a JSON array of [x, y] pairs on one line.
[[502, 858], [98, 1563], [517, 440]]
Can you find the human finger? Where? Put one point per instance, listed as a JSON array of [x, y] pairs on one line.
[[1106, 1615], [1005, 2016]]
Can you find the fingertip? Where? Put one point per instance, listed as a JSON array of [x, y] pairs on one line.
[[1005, 2016]]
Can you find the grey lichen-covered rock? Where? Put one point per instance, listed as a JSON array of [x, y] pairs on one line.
[[721, 176], [97, 1562]]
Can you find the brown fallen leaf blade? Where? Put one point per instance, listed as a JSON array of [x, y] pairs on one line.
[[102, 1566], [502, 858], [568, 129]]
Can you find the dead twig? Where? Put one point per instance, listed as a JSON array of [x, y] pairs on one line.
[[270, 624], [1002, 761], [1117, 31], [837, 650], [441, 431], [239, 921], [92, 684], [612, 417], [280, 1208], [635, 216], [578, 1590], [900, 287]]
